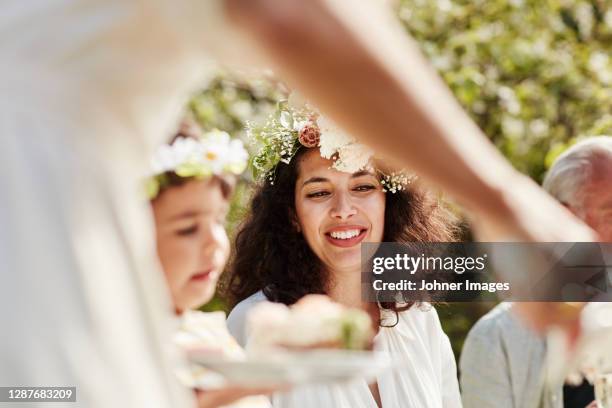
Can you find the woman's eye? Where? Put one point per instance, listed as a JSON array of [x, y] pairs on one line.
[[187, 231], [317, 194], [365, 187]]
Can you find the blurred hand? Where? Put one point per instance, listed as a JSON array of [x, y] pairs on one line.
[[528, 214], [592, 405], [531, 215], [542, 316], [227, 395]]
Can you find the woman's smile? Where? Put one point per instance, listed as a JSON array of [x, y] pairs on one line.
[[346, 236]]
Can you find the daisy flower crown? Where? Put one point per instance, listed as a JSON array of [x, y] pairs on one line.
[[214, 153], [294, 124]]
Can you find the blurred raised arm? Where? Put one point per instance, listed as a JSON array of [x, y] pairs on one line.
[[356, 63]]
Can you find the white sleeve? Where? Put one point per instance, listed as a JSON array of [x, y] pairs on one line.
[[451, 398], [236, 321], [441, 356], [87, 87], [81, 300]]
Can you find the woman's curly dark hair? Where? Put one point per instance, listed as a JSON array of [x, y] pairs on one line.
[[271, 255]]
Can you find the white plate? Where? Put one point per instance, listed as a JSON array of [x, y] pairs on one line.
[[292, 368]]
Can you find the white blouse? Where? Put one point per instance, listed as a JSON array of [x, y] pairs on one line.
[[427, 380]]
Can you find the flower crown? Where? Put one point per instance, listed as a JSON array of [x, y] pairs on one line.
[[295, 124], [214, 153]]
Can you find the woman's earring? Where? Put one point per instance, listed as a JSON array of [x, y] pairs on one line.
[[297, 227]]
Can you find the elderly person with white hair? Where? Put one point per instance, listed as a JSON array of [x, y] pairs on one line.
[[580, 179], [503, 362]]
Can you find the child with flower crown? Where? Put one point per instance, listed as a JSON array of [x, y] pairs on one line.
[[193, 178]]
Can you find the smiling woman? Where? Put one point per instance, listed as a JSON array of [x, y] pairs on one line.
[[303, 229], [321, 195], [303, 236]]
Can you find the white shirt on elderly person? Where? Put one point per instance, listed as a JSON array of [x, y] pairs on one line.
[[88, 87]]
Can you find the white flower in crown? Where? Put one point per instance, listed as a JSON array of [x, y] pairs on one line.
[[222, 153], [213, 154], [351, 156], [168, 157], [332, 137], [163, 160], [299, 125]]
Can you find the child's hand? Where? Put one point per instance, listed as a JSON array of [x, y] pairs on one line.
[[229, 394]]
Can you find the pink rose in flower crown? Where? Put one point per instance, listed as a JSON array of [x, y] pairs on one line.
[[310, 135]]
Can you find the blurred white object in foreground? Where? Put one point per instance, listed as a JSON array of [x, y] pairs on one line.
[[603, 391], [313, 322], [592, 356]]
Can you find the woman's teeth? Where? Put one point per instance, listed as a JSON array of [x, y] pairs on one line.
[[348, 234]]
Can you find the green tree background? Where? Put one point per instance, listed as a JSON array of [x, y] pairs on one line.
[[535, 75]]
